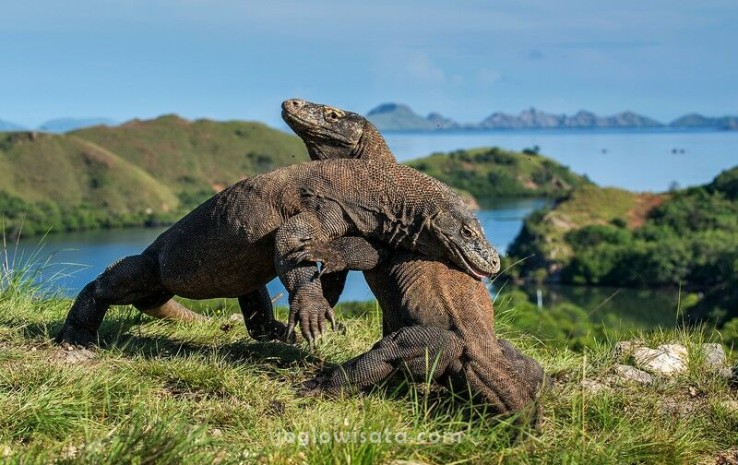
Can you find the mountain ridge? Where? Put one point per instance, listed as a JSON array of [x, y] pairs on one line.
[[400, 117]]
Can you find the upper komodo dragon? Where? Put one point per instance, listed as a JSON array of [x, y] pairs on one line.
[[239, 239], [430, 309]]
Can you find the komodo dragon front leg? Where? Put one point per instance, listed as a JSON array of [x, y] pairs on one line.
[[299, 276]]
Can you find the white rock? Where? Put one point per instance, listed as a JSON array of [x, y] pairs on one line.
[[666, 359], [630, 373], [714, 355]]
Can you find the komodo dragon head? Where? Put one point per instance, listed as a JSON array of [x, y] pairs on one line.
[[329, 132], [458, 230]]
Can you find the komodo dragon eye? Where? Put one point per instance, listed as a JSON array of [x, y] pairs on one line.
[[467, 233], [333, 114]]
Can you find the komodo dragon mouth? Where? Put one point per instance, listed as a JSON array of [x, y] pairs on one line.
[[471, 263], [471, 259]]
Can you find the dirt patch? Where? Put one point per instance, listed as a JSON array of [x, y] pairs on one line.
[[72, 355], [559, 221], [728, 457], [644, 203], [528, 183]]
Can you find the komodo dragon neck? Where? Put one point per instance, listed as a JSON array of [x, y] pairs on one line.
[[372, 145]]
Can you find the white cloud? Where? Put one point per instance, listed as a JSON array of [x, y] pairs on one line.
[[419, 66], [487, 77]]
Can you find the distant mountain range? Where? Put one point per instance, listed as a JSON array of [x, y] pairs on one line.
[[59, 125], [6, 126], [62, 125], [399, 117]]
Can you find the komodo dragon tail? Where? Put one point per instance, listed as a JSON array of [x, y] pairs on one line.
[[173, 310], [503, 377]]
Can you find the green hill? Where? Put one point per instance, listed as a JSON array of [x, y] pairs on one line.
[[142, 172], [687, 239], [70, 170], [493, 172], [198, 156]]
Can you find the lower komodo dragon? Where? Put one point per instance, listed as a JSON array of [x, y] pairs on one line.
[[432, 311], [242, 237]]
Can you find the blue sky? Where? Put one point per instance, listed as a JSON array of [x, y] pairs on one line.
[[227, 59]]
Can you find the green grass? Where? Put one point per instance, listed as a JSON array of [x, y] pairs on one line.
[[160, 393]]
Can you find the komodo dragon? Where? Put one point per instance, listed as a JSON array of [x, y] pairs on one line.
[[432, 311], [239, 239]]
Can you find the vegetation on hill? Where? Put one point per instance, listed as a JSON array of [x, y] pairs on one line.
[[69, 183], [202, 156], [493, 172], [607, 237]]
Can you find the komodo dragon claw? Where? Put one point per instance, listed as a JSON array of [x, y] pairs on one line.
[[320, 253], [311, 319]]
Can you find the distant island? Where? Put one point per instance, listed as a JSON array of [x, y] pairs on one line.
[[399, 117], [7, 126]]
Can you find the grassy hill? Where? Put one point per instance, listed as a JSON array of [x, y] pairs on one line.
[[142, 172], [192, 156], [71, 170], [686, 239], [493, 172], [544, 235]]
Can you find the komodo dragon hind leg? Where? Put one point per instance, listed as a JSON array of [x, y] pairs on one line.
[[527, 369], [258, 315], [415, 349], [130, 280]]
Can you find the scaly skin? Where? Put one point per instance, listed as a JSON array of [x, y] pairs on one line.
[[261, 227], [434, 314]]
